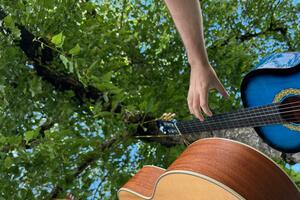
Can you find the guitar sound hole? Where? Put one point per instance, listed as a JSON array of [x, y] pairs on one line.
[[290, 109]]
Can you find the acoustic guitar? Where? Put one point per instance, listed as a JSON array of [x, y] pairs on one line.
[[271, 97], [213, 169]]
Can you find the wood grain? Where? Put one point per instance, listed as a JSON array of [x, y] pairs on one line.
[[243, 169], [143, 182], [183, 186]]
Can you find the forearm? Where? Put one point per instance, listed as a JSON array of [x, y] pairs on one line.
[[188, 20]]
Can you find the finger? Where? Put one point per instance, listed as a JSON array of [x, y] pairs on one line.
[[190, 104], [221, 89], [196, 107], [204, 102]]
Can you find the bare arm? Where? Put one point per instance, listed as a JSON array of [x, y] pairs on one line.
[[188, 20]]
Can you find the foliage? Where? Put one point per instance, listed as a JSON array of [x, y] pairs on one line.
[[130, 51]]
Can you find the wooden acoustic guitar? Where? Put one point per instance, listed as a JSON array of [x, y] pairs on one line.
[[213, 169]]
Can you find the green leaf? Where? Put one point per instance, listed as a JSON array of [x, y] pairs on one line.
[[75, 50], [65, 60], [47, 133], [35, 86], [108, 86], [8, 21], [71, 67], [29, 135], [105, 97], [67, 63], [58, 39], [104, 114], [14, 140], [106, 77], [77, 72], [8, 162]]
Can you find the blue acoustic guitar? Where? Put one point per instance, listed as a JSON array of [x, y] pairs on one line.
[[271, 97]]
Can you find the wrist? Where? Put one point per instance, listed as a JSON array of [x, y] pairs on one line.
[[197, 57], [199, 63]]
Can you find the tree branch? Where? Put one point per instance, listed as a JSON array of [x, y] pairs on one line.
[[248, 36], [88, 162], [41, 63]]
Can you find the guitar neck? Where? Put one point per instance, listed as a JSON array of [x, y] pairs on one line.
[[248, 117]]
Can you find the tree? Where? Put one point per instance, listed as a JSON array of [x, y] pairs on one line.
[[81, 79]]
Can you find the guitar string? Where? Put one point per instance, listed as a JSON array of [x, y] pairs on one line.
[[250, 109], [254, 117], [213, 126], [237, 115], [185, 141], [244, 112], [261, 109], [184, 128], [197, 131], [249, 117], [257, 111], [189, 128]]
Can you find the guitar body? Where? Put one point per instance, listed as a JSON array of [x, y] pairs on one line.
[[213, 169], [275, 79]]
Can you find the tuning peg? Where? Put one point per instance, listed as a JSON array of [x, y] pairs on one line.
[[163, 116], [167, 116]]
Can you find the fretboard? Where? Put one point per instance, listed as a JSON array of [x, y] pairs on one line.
[[248, 117]]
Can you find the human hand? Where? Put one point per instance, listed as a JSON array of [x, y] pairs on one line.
[[202, 79]]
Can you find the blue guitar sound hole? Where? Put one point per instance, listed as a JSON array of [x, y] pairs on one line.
[[289, 109]]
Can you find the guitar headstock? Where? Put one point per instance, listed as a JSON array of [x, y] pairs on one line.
[[167, 124]]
